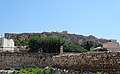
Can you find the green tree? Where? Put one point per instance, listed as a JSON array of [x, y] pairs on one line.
[[52, 45], [73, 47], [46, 44], [87, 45], [21, 41]]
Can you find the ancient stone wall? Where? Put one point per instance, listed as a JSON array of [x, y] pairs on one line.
[[108, 62], [25, 60], [91, 61]]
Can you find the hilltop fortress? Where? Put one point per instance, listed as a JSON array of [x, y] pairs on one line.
[[107, 43], [71, 37]]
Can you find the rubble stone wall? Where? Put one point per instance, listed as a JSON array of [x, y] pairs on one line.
[[91, 61], [108, 62], [25, 60]]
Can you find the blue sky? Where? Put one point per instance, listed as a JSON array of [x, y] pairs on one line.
[[87, 17]]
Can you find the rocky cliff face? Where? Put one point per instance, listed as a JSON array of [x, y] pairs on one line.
[[71, 37]]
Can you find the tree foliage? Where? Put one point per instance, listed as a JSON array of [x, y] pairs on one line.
[[88, 44], [21, 41], [52, 45], [45, 44], [48, 44], [73, 47]]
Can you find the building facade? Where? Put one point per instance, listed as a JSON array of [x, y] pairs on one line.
[[6, 45]]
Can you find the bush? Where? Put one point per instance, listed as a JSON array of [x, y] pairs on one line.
[[72, 47], [29, 71]]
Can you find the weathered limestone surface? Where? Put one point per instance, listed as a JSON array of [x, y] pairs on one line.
[[25, 60], [91, 61]]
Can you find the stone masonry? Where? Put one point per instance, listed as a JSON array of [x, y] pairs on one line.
[[108, 62], [25, 60]]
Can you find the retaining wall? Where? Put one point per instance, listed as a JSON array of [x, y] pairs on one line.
[[25, 60], [91, 61], [108, 62]]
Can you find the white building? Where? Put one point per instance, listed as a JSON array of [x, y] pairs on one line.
[[6, 45]]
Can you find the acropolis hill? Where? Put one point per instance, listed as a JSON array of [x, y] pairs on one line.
[[71, 37]]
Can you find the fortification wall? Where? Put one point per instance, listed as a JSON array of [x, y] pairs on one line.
[[91, 61], [25, 60], [108, 62]]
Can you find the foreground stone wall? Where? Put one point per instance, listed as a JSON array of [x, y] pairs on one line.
[[108, 62], [25, 60], [91, 61]]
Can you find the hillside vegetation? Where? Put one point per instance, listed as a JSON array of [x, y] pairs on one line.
[[51, 41], [71, 37]]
